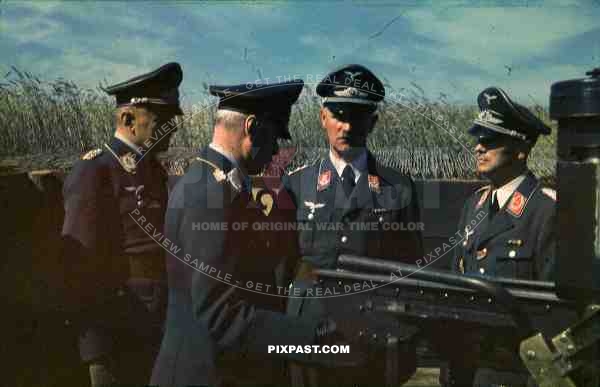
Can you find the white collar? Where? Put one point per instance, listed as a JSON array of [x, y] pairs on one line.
[[236, 177], [503, 193], [126, 141], [358, 164], [225, 154]]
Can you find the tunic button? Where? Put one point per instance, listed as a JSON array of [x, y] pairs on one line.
[[482, 270], [512, 253], [310, 216], [268, 244], [381, 219], [344, 239], [465, 243]]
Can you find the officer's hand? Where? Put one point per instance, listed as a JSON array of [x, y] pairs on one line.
[[328, 334]]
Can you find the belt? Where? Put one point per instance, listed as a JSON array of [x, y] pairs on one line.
[[305, 271], [145, 266]]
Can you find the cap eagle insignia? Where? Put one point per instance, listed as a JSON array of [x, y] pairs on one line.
[[489, 98], [488, 116], [352, 75], [350, 92]]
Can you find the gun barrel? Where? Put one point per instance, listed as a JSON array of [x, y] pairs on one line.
[[503, 298], [383, 266]]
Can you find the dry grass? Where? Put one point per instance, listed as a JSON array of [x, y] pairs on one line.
[[422, 137]]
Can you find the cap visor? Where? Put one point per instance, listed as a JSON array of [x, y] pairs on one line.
[[483, 132], [350, 105]]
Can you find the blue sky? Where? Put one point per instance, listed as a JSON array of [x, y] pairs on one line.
[[455, 48]]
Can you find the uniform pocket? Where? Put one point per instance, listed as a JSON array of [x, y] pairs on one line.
[[516, 263], [389, 234], [306, 229]]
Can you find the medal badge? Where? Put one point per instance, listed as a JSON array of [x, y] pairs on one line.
[[266, 199], [515, 242], [374, 183], [128, 162]]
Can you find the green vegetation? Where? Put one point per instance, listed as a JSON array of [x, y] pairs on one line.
[[422, 137]]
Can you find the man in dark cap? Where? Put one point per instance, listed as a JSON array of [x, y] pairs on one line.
[[115, 200], [226, 306], [373, 209], [509, 225]]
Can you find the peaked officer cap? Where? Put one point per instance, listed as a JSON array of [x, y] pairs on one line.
[[352, 84], [158, 87], [272, 99], [499, 115]]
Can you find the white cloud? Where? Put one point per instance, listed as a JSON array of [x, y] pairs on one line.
[[31, 29], [457, 50], [460, 50], [493, 36], [122, 50]]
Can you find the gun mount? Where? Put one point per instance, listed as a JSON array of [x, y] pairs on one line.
[[505, 310], [571, 359]]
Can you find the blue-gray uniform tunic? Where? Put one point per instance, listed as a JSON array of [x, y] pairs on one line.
[[219, 323], [116, 280], [518, 242], [379, 219]]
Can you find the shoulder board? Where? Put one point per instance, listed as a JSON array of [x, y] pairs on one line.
[[484, 191], [310, 164], [550, 193], [298, 169], [218, 173], [484, 188], [90, 155]]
